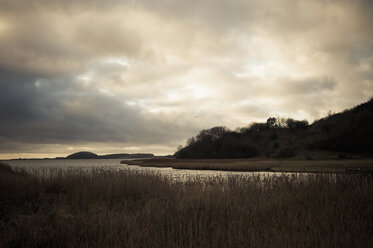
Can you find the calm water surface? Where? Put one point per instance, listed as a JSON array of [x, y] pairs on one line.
[[44, 166]]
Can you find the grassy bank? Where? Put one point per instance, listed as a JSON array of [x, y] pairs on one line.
[[129, 209], [331, 165]]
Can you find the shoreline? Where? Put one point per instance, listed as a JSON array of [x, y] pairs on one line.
[[361, 166]]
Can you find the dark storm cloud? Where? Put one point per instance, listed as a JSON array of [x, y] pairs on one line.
[[62, 111]]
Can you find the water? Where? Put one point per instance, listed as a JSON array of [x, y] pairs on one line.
[[42, 166], [65, 164]]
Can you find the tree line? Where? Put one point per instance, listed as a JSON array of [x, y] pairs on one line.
[[250, 141]]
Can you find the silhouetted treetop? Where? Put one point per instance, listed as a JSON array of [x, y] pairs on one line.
[[212, 133]]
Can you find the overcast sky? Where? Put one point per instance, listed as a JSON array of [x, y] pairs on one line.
[[115, 76]]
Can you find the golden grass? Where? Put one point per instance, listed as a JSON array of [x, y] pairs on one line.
[[130, 209]]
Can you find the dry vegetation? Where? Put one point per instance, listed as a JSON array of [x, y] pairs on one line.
[[129, 209], [207, 164], [357, 165]]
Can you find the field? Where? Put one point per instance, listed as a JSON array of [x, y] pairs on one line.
[[330, 165], [131, 209]]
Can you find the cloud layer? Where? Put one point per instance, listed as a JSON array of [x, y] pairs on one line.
[[143, 76]]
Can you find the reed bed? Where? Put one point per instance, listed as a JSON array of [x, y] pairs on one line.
[[279, 165], [105, 208]]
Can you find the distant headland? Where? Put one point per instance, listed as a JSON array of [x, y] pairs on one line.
[[91, 155]]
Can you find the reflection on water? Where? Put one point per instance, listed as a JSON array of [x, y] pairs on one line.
[[44, 167]]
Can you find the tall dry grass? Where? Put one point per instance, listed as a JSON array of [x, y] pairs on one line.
[[130, 209], [316, 166]]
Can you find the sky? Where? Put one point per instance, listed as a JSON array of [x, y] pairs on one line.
[[117, 76]]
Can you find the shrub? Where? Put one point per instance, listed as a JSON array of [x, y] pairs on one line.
[[5, 168], [286, 153]]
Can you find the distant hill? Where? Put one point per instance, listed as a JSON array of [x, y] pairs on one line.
[[126, 155], [90, 155], [348, 132], [82, 155]]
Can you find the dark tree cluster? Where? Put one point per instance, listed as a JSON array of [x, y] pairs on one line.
[[273, 122], [217, 142], [220, 142]]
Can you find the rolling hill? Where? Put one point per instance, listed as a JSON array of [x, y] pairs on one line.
[[345, 133]]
